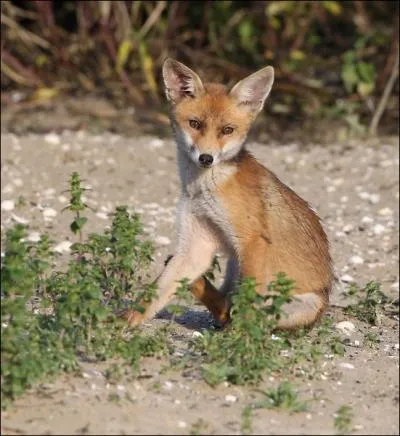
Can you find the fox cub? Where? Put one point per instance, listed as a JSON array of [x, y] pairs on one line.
[[230, 203]]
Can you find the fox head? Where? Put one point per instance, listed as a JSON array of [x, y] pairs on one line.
[[210, 122]]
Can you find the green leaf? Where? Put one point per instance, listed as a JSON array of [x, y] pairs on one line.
[[124, 50], [78, 223], [335, 8], [349, 77]]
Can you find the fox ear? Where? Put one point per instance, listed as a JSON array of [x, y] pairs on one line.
[[254, 89], [180, 81]]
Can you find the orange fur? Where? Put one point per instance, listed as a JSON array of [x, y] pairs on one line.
[[233, 203]]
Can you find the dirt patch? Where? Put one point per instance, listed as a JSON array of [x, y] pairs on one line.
[[353, 186]]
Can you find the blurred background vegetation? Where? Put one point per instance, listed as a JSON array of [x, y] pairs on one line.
[[336, 62]]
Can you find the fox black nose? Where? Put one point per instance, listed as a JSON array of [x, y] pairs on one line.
[[206, 159]]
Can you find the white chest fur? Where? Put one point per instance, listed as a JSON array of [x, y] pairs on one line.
[[200, 199]]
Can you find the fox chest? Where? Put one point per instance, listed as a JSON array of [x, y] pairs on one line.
[[208, 207]]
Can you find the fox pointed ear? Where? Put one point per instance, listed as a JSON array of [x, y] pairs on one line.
[[180, 81], [253, 90]]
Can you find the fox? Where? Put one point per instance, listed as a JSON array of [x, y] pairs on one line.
[[230, 203]]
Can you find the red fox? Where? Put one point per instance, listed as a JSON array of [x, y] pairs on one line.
[[230, 203]]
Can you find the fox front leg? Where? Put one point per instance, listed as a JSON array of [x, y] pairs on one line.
[[196, 249]]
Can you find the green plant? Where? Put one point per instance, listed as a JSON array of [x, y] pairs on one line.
[[246, 424], [76, 318], [199, 427], [244, 350], [284, 397], [358, 75], [343, 420], [371, 339], [368, 308]]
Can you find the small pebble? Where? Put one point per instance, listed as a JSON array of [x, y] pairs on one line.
[[49, 213], [62, 199], [156, 143], [346, 365], [102, 215], [19, 219], [230, 398], [379, 229], [356, 260], [162, 240], [374, 198], [346, 327], [367, 220], [348, 228], [182, 424], [386, 211], [52, 138], [33, 237], [168, 385], [196, 334], [18, 182], [63, 247], [7, 205], [346, 278]]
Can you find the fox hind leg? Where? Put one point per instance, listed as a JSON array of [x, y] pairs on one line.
[[216, 302]]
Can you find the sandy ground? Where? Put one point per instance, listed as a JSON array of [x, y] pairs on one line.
[[353, 186]]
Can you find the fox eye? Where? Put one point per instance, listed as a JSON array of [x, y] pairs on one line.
[[194, 124], [227, 130]]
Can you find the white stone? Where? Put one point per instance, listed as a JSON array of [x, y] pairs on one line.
[[364, 195], [62, 199], [156, 143], [52, 138], [356, 260], [379, 229], [196, 334], [386, 211], [102, 215], [49, 213], [168, 385], [374, 198], [346, 327], [19, 219], [18, 182], [367, 220], [346, 365], [348, 228], [230, 398], [162, 240], [182, 424], [33, 237], [63, 247], [7, 205], [395, 286], [346, 278]]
